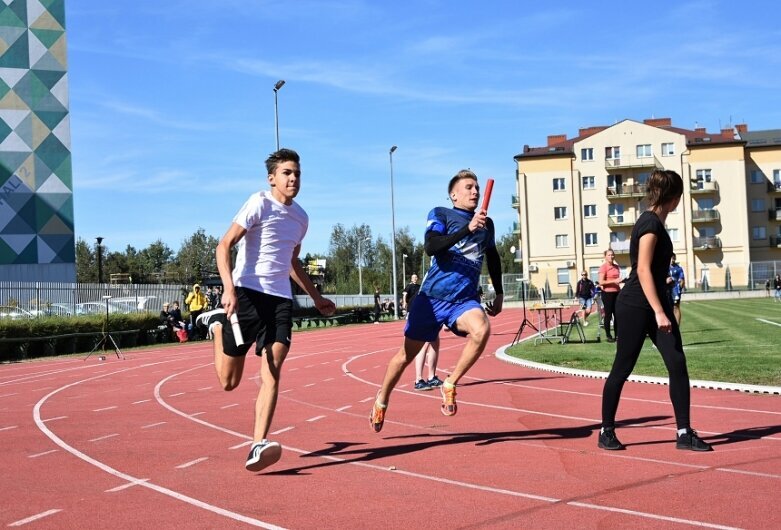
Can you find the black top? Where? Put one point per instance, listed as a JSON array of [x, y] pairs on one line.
[[632, 293], [411, 290]]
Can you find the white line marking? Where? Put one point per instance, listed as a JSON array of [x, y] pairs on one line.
[[142, 401], [329, 379], [42, 454], [649, 515], [154, 424], [282, 392], [99, 438], [54, 419], [204, 388], [192, 462], [229, 406], [8, 428], [367, 399], [177, 394], [242, 444], [316, 418], [280, 431], [198, 413], [769, 322], [35, 517], [340, 409], [310, 384], [104, 408], [293, 369], [128, 485], [9, 395]]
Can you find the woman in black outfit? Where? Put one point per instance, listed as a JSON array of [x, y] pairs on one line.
[[642, 309]]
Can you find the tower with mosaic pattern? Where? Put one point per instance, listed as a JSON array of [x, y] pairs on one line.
[[36, 190]]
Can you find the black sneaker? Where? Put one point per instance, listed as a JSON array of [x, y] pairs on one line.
[[608, 440], [689, 441], [262, 455], [434, 382], [422, 385]]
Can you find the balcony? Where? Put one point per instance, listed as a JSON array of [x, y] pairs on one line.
[[626, 191], [614, 221], [630, 162], [620, 247], [702, 188], [774, 187], [775, 241], [706, 243], [516, 227], [774, 214], [516, 202], [705, 216]]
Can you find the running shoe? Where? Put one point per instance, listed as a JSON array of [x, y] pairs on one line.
[[423, 385], [449, 406], [209, 319], [609, 441], [263, 454], [377, 417], [689, 441], [434, 382]]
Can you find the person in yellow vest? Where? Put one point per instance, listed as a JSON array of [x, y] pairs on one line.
[[197, 303]]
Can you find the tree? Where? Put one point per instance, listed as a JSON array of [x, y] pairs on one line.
[[503, 245], [86, 263], [196, 258]]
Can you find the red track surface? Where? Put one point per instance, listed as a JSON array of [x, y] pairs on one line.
[[152, 441]]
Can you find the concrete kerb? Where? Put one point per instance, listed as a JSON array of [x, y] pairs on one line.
[[712, 385]]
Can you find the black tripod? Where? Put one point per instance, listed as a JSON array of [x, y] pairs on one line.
[[526, 321], [104, 340]]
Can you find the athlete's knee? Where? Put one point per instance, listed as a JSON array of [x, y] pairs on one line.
[[229, 383]]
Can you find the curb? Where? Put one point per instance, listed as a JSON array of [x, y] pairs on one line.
[[711, 385]]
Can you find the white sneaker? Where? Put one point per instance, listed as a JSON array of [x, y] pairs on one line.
[[209, 319], [585, 322], [263, 454]]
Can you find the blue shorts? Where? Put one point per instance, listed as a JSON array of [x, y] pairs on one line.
[[585, 303], [426, 316]]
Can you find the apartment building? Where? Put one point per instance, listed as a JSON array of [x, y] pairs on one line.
[[577, 197]]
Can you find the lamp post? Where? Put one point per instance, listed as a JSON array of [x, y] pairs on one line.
[[393, 238], [100, 259], [404, 268], [360, 259], [279, 84]]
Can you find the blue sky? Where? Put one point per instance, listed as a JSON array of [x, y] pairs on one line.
[[172, 103]]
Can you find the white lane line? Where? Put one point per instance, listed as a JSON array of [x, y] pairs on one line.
[[128, 485], [340, 409], [204, 389], [316, 418], [124, 476], [310, 384], [9, 395], [242, 444], [367, 399], [769, 322], [8, 428], [142, 401], [198, 413], [99, 438], [105, 408], [310, 365], [229, 406], [177, 394], [282, 392], [649, 515], [293, 369], [192, 462], [154, 424], [55, 418], [284, 429], [33, 518], [36, 455], [329, 379]]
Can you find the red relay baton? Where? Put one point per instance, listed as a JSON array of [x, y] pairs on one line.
[[489, 186]]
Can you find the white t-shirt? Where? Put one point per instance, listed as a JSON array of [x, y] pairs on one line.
[[264, 256]]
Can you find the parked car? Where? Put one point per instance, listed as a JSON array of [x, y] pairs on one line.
[[132, 304], [14, 313], [97, 308]]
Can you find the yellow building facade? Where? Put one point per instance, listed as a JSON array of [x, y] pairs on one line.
[[577, 197]]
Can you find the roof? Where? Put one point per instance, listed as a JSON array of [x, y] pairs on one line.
[[762, 138]]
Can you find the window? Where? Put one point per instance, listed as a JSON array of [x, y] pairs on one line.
[[562, 274], [644, 151], [561, 241], [559, 184], [707, 231], [589, 183], [668, 149], [589, 210], [673, 233], [757, 177], [703, 204], [587, 153], [758, 232], [615, 182], [617, 237], [703, 176], [612, 152], [616, 212], [757, 205], [642, 178], [777, 178], [593, 274], [560, 212], [591, 239]]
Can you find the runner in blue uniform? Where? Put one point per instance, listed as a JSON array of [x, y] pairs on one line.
[[457, 238]]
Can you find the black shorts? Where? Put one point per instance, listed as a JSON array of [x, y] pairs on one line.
[[264, 319]]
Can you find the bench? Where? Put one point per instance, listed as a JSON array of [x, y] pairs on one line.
[[323, 321]]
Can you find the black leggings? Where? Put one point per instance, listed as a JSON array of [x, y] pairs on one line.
[[609, 304], [636, 323]]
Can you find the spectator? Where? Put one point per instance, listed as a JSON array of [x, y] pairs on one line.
[[767, 287], [377, 305], [676, 283], [609, 274], [584, 291], [428, 356], [409, 293], [777, 286], [197, 303]]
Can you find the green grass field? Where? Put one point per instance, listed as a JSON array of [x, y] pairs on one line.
[[724, 340]]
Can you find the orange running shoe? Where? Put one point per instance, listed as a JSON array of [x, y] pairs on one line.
[[449, 406], [377, 417]]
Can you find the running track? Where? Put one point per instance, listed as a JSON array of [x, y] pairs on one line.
[[152, 441]]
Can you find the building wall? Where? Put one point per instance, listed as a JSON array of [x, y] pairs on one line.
[[36, 189]]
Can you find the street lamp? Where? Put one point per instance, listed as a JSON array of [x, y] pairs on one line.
[[360, 258], [279, 84], [404, 268], [100, 259], [393, 238]]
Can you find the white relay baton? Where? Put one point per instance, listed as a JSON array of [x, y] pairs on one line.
[[236, 329]]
